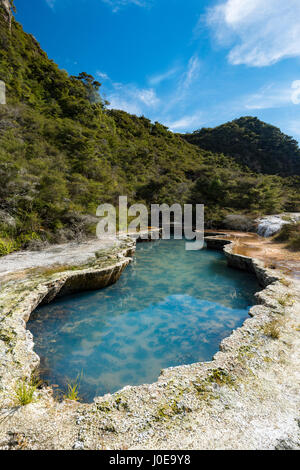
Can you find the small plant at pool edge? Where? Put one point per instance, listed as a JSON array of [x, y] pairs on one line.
[[24, 392], [73, 390]]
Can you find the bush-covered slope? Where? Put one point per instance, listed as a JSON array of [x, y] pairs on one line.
[[260, 146], [290, 234], [62, 153]]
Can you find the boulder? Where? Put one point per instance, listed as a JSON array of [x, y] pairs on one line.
[[239, 222]]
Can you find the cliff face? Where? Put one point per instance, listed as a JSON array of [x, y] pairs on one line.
[[5, 10]]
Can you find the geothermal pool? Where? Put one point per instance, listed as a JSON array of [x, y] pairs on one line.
[[170, 307]]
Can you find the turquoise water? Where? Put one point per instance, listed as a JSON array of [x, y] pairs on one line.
[[170, 307]]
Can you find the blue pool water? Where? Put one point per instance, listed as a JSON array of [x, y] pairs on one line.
[[170, 307]]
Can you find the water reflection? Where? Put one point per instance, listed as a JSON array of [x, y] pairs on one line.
[[170, 307]]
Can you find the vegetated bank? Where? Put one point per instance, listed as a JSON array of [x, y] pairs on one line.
[[62, 153]]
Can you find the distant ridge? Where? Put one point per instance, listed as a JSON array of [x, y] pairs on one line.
[[251, 142]]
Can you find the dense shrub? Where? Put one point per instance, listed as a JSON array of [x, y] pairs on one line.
[[290, 234]]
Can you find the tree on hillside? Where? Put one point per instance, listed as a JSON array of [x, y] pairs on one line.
[[92, 87]]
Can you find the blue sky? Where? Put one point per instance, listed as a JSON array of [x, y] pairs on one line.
[[185, 63]]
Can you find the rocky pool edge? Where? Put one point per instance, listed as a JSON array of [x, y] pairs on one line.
[[180, 392]]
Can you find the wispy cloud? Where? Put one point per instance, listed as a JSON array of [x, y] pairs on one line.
[[296, 92], [162, 77], [185, 85], [51, 3], [102, 75], [271, 96], [260, 32], [186, 122], [116, 5], [192, 72], [149, 100], [132, 99]]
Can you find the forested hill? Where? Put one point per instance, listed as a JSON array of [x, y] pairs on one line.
[[260, 146], [62, 153]]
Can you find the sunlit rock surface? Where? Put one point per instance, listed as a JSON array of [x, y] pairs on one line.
[[70, 254], [7, 9], [272, 224]]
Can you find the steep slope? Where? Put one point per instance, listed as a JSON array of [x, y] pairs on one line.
[[62, 153], [260, 146]]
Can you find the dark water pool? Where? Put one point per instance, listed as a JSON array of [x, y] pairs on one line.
[[170, 307]]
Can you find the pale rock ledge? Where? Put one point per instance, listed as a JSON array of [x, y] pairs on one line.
[[247, 397]]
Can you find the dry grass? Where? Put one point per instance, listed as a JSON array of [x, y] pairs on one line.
[[286, 300], [285, 282], [272, 329]]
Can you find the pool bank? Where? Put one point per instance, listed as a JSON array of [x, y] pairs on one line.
[[247, 397]]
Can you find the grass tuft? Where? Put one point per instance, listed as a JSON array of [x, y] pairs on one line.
[[24, 392], [286, 300], [7, 246], [72, 392], [285, 282], [272, 330]]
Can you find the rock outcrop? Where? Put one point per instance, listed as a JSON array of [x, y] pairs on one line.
[[272, 224], [6, 10]]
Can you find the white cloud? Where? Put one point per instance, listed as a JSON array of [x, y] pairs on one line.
[[270, 96], [129, 97], [184, 91], [148, 97], [260, 32], [186, 122], [296, 92], [102, 75], [132, 99], [117, 102], [139, 101], [192, 72], [274, 96]]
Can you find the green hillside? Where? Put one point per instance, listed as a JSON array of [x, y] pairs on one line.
[[260, 146], [62, 153]]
